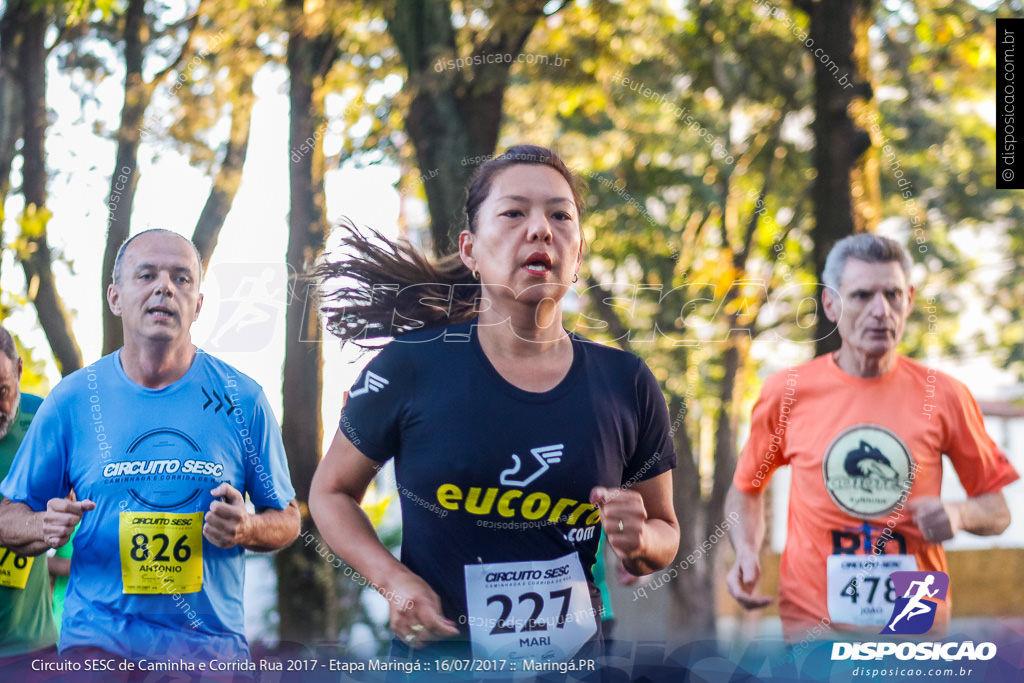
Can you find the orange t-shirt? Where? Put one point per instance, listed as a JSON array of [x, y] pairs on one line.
[[859, 449]]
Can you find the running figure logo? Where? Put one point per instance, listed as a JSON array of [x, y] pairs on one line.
[[251, 308], [914, 612], [545, 456]]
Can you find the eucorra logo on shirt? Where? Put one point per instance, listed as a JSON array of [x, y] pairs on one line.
[[544, 455], [866, 470], [524, 509], [537, 508]]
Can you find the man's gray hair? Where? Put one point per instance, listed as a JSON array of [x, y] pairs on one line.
[[7, 345], [124, 246], [867, 247]]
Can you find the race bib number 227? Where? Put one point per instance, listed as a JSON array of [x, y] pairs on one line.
[[538, 610]]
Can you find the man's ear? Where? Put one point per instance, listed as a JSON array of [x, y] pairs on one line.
[[832, 303], [114, 299]]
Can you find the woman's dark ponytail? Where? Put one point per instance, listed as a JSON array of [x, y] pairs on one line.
[[390, 289]]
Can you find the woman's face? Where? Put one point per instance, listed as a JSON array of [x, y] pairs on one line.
[[527, 244]]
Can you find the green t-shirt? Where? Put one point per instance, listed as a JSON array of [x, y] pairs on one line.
[[60, 583], [600, 579], [26, 614]]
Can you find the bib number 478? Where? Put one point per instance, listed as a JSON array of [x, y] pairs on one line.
[[860, 590], [871, 586]]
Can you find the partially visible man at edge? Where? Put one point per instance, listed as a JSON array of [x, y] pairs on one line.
[[864, 430], [27, 630], [160, 476]]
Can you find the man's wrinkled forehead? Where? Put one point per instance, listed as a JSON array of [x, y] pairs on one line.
[[859, 274], [154, 250]]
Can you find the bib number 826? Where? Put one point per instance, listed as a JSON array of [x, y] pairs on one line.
[[141, 544], [506, 625]]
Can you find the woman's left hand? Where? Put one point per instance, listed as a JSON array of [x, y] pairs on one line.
[[623, 515]]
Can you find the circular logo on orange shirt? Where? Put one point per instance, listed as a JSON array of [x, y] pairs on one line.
[[867, 469]]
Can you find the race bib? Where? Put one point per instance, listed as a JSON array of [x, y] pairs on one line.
[[14, 569], [860, 591], [529, 610], [161, 552]]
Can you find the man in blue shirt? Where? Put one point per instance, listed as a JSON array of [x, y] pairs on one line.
[[160, 442]]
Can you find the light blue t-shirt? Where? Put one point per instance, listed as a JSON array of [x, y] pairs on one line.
[[149, 458]]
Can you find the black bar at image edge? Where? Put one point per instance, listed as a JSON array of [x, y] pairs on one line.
[[1009, 83]]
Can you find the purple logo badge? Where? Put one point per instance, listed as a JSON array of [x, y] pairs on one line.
[[914, 611]]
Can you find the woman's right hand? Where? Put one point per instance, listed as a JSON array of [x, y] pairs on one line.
[[416, 616]]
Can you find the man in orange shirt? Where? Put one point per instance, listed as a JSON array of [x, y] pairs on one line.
[[864, 431]]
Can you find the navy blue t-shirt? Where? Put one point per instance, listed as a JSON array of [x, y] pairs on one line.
[[488, 472]]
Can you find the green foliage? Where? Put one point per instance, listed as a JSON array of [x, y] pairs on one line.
[[79, 11], [1009, 293], [936, 69], [33, 374]]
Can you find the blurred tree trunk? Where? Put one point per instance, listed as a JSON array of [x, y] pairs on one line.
[[306, 597], [838, 142], [691, 610], [11, 106], [453, 118], [124, 177], [734, 358], [865, 183], [33, 248], [229, 175]]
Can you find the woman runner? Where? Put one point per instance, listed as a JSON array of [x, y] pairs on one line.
[[514, 440]]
